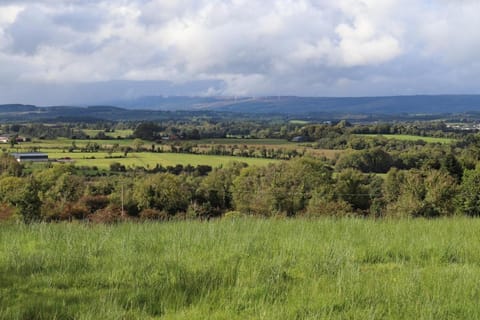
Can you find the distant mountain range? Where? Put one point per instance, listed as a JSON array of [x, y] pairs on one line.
[[156, 108], [422, 104]]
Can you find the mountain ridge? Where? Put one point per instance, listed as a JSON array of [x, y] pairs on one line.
[[289, 106], [430, 104]]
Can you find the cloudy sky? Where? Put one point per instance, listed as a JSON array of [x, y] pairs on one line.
[[83, 51]]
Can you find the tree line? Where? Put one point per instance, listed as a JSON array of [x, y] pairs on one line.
[[302, 187]]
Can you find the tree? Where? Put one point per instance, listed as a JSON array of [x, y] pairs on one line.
[[249, 193], [353, 187], [468, 198], [216, 188], [117, 167], [22, 194], [48, 178], [29, 203], [11, 189], [13, 141], [10, 166], [146, 131], [375, 160], [137, 144], [67, 188], [427, 193], [162, 191], [283, 188], [453, 166]]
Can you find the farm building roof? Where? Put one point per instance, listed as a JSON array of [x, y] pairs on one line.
[[29, 154]]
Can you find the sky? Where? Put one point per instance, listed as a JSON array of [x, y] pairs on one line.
[[92, 51]]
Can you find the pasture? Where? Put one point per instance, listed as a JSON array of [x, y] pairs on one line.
[[300, 122], [248, 142], [410, 138], [242, 269], [63, 143], [58, 148], [149, 160], [115, 134]]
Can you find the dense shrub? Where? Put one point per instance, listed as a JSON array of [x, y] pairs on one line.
[[152, 214], [110, 214], [323, 206], [94, 203], [6, 211]]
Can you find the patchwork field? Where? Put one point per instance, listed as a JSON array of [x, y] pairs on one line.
[[242, 269], [62, 143], [58, 148]]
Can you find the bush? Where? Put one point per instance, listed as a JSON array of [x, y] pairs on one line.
[[320, 206], [234, 215], [201, 211], [6, 212], [55, 211], [75, 211], [110, 214], [152, 214], [117, 167], [94, 203]]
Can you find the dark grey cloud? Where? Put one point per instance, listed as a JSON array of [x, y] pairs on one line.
[[81, 19], [31, 29], [106, 92], [241, 47]]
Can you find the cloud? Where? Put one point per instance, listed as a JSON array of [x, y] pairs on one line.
[[303, 47]]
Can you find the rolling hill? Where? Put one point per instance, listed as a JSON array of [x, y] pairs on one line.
[[158, 108], [425, 104]]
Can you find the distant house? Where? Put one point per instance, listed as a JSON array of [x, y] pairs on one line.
[[32, 157], [7, 138]]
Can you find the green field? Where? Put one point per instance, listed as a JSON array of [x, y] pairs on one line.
[[63, 143], [149, 160], [410, 138], [235, 141], [299, 122], [115, 134], [58, 148], [242, 269]]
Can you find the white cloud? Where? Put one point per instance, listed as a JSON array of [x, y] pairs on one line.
[[8, 14], [307, 47], [451, 32]]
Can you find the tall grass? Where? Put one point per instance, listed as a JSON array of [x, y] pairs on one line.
[[242, 269]]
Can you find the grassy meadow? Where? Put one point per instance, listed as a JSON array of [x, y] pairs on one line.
[[248, 142], [115, 134], [242, 269], [410, 138], [149, 160], [58, 148]]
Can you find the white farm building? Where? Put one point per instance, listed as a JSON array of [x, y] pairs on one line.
[[33, 157]]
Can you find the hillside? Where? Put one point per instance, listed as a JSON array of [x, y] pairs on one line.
[[157, 108], [313, 105]]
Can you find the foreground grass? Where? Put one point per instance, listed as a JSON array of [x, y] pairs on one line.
[[242, 269]]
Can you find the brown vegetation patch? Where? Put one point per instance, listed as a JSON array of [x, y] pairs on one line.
[[110, 214], [6, 212]]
